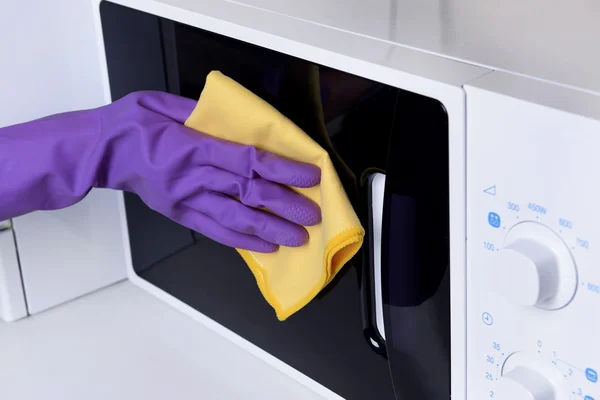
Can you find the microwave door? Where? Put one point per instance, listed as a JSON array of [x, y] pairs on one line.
[[415, 252], [325, 341]]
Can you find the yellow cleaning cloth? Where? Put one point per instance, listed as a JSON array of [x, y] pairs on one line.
[[290, 277]]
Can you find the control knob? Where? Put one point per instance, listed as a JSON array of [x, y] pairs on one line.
[[527, 376], [534, 268]]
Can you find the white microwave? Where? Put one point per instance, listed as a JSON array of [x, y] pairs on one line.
[[473, 140]]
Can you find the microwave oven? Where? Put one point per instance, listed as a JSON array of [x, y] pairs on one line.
[[477, 270], [467, 145]]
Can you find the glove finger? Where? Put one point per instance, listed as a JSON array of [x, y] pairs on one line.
[[210, 228], [261, 193], [279, 169], [250, 162], [207, 150], [234, 215]]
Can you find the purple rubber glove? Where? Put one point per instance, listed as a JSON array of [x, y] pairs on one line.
[[139, 144]]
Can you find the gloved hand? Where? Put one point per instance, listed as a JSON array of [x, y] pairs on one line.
[[139, 144]]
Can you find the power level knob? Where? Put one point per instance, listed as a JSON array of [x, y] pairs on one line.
[[534, 268]]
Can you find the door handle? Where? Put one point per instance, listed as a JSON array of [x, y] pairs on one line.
[[373, 189]]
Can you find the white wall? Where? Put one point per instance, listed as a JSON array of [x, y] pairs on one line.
[[49, 59], [49, 64]]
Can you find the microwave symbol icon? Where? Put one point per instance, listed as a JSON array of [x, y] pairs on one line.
[[591, 375], [494, 220]]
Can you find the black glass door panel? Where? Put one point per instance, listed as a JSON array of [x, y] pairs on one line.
[[415, 252], [324, 341], [353, 118]]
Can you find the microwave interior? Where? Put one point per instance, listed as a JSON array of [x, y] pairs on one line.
[[371, 128]]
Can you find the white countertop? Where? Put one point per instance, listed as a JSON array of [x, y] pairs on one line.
[[123, 343]]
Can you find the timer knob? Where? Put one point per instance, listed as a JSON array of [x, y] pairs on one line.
[[535, 268], [527, 376], [523, 383]]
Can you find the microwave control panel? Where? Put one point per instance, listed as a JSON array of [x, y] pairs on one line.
[[533, 242]]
